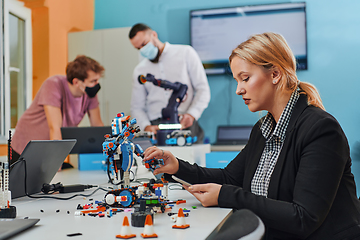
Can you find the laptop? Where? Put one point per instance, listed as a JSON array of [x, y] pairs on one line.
[[11, 227], [89, 139], [233, 135], [43, 159]]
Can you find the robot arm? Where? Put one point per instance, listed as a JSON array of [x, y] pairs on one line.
[[170, 113], [151, 164]]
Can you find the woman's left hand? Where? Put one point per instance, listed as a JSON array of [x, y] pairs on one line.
[[207, 194]]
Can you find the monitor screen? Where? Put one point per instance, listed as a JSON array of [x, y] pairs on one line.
[[216, 32]]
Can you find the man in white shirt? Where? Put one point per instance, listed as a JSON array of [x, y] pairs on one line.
[[174, 63]]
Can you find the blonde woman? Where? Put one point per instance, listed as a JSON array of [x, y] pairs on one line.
[[295, 171]]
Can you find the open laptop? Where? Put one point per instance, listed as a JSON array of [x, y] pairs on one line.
[[233, 135], [89, 139], [11, 227], [43, 159]]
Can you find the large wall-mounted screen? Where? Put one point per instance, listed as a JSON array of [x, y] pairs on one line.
[[216, 32]]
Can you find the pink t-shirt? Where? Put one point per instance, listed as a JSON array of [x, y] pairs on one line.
[[55, 91]]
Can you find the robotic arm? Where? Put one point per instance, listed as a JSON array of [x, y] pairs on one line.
[[170, 113]]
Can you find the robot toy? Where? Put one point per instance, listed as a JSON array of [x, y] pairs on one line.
[[120, 149]]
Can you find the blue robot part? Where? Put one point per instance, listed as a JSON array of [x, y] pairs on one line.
[[180, 138], [153, 164], [119, 148]]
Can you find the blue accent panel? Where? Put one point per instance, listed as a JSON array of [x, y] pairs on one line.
[[91, 161], [219, 159]]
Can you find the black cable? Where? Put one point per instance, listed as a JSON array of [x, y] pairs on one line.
[[58, 198], [109, 172]]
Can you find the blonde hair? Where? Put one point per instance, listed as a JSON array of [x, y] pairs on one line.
[[269, 50]]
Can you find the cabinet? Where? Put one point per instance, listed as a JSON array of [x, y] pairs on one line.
[[112, 49]]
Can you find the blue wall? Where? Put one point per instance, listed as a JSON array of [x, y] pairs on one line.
[[333, 33]]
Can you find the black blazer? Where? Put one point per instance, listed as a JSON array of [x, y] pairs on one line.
[[312, 193]]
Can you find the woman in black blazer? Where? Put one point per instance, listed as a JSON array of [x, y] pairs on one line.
[[295, 171]]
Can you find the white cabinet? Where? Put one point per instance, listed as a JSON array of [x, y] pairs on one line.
[[112, 49]]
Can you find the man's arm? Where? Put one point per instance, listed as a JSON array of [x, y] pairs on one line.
[[54, 120], [199, 82], [186, 121], [95, 118]]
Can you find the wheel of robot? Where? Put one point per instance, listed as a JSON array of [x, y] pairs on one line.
[[162, 208], [180, 141], [126, 195], [130, 196]]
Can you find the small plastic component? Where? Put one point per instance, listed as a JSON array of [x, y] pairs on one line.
[[180, 201], [95, 210], [78, 213], [74, 234]]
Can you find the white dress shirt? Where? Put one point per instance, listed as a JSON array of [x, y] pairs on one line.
[[177, 63]]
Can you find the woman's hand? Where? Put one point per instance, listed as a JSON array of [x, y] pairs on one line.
[[171, 164], [207, 194]]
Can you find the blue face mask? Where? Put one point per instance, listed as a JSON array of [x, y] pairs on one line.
[[149, 51]]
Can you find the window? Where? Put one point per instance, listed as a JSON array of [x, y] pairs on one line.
[[16, 76]]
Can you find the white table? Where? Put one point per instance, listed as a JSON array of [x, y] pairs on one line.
[[195, 153], [56, 225]]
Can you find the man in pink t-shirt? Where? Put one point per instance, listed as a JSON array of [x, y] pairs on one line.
[[62, 101]]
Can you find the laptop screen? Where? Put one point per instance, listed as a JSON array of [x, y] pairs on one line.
[[43, 159], [89, 139], [233, 134]]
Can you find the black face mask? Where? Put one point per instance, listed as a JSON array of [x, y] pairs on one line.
[[91, 92]]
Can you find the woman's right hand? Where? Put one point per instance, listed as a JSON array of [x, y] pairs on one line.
[[171, 164]]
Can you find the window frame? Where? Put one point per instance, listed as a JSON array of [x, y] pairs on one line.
[[18, 9]]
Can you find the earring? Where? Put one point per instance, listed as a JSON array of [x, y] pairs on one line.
[[274, 82]]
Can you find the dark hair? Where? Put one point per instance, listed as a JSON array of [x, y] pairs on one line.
[[80, 66], [139, 27]]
